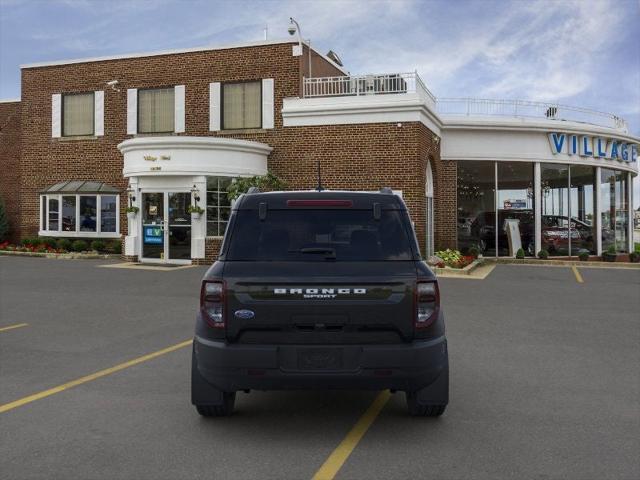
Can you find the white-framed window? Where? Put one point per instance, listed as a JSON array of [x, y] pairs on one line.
[[80, 215], [77, 114], [218, 205], [241, 105], [156, 110]]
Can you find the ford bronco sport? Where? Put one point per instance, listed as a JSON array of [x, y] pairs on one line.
[[320, 290]]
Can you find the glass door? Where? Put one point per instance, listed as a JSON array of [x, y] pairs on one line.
[[179, 243], [153, 214]]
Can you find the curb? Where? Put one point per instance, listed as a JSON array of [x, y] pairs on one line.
[[459, 271], [63, 256], [564, 263]]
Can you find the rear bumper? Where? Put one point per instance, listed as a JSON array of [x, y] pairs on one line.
[[409, 367]]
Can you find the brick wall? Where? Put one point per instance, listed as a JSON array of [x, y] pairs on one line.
[[355, 157], [10, 164]]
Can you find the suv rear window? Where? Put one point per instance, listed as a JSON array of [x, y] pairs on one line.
[[320, 235]]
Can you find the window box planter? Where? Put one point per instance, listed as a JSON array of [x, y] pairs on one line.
[[610, 257]]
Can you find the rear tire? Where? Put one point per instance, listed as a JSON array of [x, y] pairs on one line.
[[224, 410], [417, 410]]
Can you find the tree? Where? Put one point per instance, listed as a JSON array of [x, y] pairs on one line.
[[268, 182], [4, 222]]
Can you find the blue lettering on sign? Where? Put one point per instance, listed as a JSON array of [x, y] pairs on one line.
[[614, 149], [585, 147], [153, 235], [597, 147], [574, 145], [624, 153], [557, 141]]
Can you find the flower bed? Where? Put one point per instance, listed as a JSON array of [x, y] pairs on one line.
[[453, 259], [52, 246]]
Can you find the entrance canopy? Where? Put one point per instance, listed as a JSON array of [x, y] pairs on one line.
[[81, 186]]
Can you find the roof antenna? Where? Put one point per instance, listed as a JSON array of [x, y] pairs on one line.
[[319, 178]]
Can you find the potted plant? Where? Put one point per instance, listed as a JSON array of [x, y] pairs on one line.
[[520, 254], [583, 255], [610, 255], [131, 212], [543, 254], [195, 211]]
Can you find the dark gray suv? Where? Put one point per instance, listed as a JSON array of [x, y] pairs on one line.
[[320, 290]]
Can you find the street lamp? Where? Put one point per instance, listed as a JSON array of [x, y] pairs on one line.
[[294, 27]]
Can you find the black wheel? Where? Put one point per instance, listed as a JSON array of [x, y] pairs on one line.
[[418, 410], [226, 409]]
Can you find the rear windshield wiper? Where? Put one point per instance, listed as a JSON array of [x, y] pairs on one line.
[[329, 252]]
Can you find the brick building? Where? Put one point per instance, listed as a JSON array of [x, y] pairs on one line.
[[164, 131]]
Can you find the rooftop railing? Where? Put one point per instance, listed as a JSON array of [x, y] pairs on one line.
[[528, 109], [357, 85], [402, 83]]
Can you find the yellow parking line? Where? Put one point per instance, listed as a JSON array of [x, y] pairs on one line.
[[102, 373], [11, 327], [577, 274], [334, 463]]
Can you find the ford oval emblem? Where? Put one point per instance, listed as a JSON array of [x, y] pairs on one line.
[[244, 314]]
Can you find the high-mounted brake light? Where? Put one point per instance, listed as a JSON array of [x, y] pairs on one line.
[[427, 303], [319, 203], [212, 299]]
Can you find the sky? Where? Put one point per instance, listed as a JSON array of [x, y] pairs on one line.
[[584, 53]]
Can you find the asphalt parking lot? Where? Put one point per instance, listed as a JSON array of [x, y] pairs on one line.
[[545, 383]]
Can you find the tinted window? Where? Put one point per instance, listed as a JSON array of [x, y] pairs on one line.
[[318, 235]]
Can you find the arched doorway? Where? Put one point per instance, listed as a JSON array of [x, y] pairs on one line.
[[429, 247]]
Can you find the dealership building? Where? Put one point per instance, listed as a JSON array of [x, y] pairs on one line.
[[163, 131]]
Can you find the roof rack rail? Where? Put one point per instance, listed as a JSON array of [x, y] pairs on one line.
[[253, 190], [386, 190]]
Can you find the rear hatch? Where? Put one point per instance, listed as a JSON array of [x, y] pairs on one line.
[[320, 272], [313, 303]]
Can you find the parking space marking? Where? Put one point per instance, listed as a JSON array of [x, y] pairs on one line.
[[334, 463], [102, 373], [11, 327], [577, 274]]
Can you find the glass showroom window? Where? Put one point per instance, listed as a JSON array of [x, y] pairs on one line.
[[581, 203], [218, 205], [515, 206], [77, 114], [554, 223], [477, 206], [80, 215], [241, 105], [156, 110], [614, 209]]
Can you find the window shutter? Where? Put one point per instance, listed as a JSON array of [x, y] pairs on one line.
[[214, 106], [179, 108], [98, 111], [267, 103], [132, 111], [56, 115]]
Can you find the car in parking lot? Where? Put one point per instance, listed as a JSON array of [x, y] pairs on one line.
[[320, 290]]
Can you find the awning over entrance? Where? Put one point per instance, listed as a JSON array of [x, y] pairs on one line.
[[81, 186]]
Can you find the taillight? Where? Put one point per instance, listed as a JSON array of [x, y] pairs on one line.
[[212, 303], [427, 303]]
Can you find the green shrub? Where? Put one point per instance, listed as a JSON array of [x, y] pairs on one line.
[[79, 246], [583, 255], [520, 253], [47, 242], [115, 247], [474, 251], [28, 241], [97, 245], [543, 254], [611, 250], [64, 244], [634, 257]]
